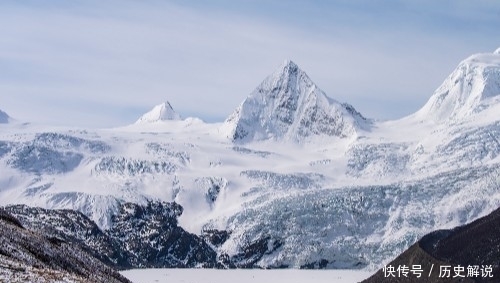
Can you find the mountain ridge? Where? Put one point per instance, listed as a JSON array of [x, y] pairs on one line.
[[287, 105], [473, 86], [373, 192], [160, 112], [31, 256], [141, 236], [474, 244]]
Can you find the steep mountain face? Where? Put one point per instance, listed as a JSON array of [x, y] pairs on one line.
[[29, 256], [472, 87], [474, 244], [74, 228], [4, 118], [152, 235], [477, 243], [161, 112], [289, 106], [140, 235]]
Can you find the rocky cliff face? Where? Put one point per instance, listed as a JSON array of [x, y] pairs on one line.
[[28, 255], [139, 236]]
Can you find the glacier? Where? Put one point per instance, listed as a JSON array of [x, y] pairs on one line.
[[292, 178]]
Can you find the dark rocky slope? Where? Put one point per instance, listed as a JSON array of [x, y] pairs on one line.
[[28, 256], [474, 244], [140, 236]]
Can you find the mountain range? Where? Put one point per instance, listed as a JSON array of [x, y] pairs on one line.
[[292, 178]]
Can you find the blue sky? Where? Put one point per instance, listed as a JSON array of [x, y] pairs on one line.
[[104, 63]]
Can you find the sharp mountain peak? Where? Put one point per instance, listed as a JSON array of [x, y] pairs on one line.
[[161, 112], [288, 105]]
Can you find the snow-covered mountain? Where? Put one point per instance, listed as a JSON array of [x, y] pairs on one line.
[[471, 88], [288, 106], [4, 118], [302, 181], [161, 112]]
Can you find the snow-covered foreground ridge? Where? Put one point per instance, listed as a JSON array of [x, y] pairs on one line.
[[293, 177]]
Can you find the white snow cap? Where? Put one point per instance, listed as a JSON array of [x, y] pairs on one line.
[[160, 112], [288, 64], [288, 105], [472, 87], [4, 118]]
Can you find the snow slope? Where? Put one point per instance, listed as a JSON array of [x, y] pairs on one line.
[[289, 106], [243, 276], [293, 177], [4, 118], [470, 89], [160, 112]]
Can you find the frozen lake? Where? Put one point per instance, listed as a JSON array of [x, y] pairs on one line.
[[243, 275]]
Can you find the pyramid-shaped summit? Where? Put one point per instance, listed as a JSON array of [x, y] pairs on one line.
[[161, 112], [471, 88], [288, 106]]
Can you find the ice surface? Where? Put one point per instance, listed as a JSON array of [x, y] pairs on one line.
[[243, 276], [304, 189]]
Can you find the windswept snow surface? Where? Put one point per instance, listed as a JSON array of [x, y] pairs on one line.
[[305, 199], [243, 276]]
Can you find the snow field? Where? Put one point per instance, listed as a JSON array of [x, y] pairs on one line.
[[243, 276]]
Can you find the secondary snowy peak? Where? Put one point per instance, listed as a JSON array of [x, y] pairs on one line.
[[160, 112], [288, 106], [472, 87], [4, 118]]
